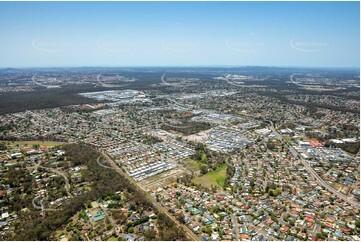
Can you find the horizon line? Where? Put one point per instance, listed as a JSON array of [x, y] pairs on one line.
[[178, 66]]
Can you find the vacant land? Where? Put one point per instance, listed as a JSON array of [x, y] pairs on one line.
[[341, 188], [30, 143], [191, 165], [287, 138], [187, 128], [215, 178], [198, 137], [112, 238], [161, 180]]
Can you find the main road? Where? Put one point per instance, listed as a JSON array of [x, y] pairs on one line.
[[182, 227], [235, 226], [312, 172]]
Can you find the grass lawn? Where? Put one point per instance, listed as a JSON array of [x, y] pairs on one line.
[[154, 178], [287, 138], [30, 143], [215, 178], [112, 238], [191, 165]]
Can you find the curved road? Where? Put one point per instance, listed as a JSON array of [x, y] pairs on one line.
[[102, 165], [166, 83], [37, 83], [42, 206], [67, 185], [293, 82], [233, 84]]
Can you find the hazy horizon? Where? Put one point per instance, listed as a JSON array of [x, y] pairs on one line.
[[181, 66]]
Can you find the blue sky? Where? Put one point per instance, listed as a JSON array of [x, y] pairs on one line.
[[314, 34]]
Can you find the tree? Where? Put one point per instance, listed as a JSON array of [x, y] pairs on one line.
[[214, 209], [204, 169], [320, 235], [204, 158], [181, 218], [3, 146], [150, 234], [131, 230], [207, 229]]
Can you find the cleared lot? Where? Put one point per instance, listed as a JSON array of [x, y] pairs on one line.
[[30, 143], [161, 180], [215, 178]]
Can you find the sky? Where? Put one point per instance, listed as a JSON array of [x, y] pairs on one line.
[[57, 34]]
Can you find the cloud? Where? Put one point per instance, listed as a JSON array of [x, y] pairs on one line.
[[307, 46], [49, 46]]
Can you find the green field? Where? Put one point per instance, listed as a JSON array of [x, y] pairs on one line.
[[30, 143], [287, 138], [192, 165], [112, 238], [215, 178]]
